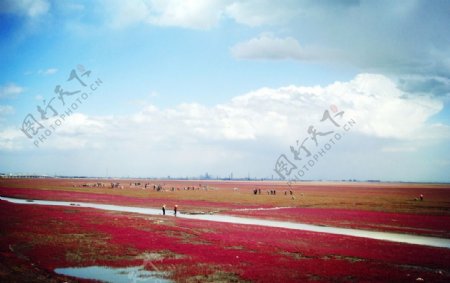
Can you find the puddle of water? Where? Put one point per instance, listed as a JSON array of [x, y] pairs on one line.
[[386, 236], [115, 275]]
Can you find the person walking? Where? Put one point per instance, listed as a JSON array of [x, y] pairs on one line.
[[164, 209], [175, 208]]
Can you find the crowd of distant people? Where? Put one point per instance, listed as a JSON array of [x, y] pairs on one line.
[[164, 188], [140, 185], [257, 191]]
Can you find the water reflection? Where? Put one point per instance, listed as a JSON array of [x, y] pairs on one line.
[[115, 275]]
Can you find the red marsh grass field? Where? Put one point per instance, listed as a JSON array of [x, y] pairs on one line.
[[36, 239]]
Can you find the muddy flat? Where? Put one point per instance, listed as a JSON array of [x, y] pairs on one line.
[[36, 240]]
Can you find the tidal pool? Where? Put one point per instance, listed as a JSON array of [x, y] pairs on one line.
[[115, 275]]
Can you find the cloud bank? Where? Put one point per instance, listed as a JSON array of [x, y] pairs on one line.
[[265, 120]]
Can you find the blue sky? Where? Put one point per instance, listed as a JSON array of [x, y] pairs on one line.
[[227, 86]]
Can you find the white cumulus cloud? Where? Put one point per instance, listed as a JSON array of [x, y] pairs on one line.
[[249, 130], [49, 71], [270, 47], [375, 102], [6, 110], [194, 14], [261, 12], [10, 90]]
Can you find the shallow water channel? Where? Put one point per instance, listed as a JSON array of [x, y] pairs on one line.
[[385, 236]]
